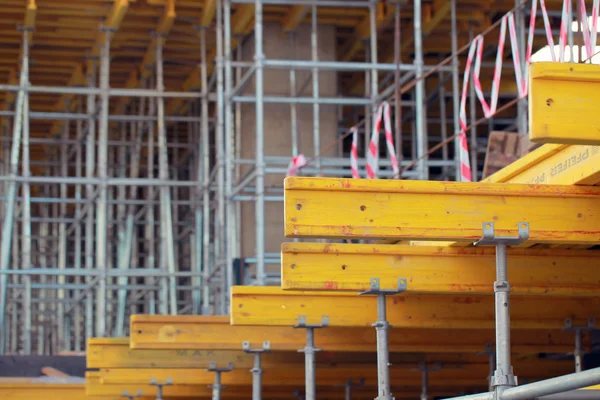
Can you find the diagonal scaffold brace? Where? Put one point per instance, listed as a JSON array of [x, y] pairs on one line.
[[309, 354], [257, 368], [382, 326], [217, 387], [160, 386]]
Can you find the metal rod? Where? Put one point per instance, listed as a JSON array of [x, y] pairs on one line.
[[165, 194], [421, 129], [220, 227], [260, 145], [310, 365], [398, 96], [383, 356], [216, 387], [293, 107], [473, 114], [26, 224], [9, 212], [315, 90], [503, 376], [578, 351], [229, 166], [257, 377], [374, 77], [205, 142], [342, 65], [455, 95], [424, 382], [101, 207]]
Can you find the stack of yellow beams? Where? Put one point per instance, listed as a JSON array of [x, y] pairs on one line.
[[179, 349], [446, 314]]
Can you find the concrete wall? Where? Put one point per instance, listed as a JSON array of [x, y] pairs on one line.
[[277, 123]]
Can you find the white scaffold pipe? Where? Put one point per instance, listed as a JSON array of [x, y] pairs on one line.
[[546, 389]]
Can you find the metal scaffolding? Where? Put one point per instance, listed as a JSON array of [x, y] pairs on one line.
[[140, 212]]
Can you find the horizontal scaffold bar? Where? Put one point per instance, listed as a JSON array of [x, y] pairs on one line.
[[47, 391], [563, 103], [408, 374], [209, 333], [426, 210], [432, 269], [252, 305]]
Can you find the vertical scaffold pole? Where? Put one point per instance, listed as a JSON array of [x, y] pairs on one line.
[[422, 143], [309, 351], [217, 387], [257, 370], [26, 224], [315, 90], [220, 223], [9, 213], [382, 326], [229, 158], [166, 223], [205, 144], [455, 95], [102, 204], [90, 160], [259, 205], [503, 377]]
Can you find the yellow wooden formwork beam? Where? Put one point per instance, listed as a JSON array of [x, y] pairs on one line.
[[144, 71], [95, 389], [274, 306], [556, 164], [407, 373], [563, 103], [116, 353], [210, 333], [208, 13], [113, 21], [442, 270], [47, 391], [380, 209], [293, 17]]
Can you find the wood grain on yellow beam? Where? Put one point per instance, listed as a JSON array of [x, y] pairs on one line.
[[208, 14], [240, 22], [384, 15], [114, 19], [137, 75], [28, 22], [440, 12], [292, 19]]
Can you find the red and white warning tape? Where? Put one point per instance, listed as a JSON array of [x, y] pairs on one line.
[[296, 164], [589, 39], [354, 154], [383, 115], [476, 51], [489, 110], [465, 164]]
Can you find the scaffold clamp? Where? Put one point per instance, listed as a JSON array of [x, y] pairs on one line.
[[489, 236]]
